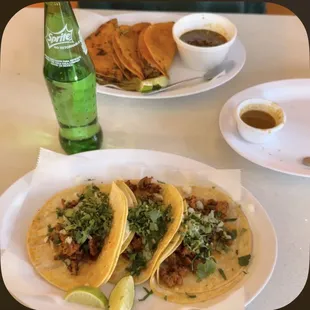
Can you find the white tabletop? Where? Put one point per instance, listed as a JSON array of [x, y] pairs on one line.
[[277, 48]]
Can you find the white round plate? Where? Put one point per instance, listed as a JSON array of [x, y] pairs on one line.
[[264, 240], [284, 151], [89, 22]]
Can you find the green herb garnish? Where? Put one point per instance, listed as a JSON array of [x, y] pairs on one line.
[[243, 230], [149, 220], [148, 293], [166, 297], [222, 273], [206, 269], [244, 260], [233, 234], [230, 220], [190, 296]]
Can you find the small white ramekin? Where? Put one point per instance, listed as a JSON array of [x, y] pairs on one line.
[[204, 58], [256, 135]]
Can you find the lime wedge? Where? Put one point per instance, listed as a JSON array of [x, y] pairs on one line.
[[153, 84], [123, 294], [89, 296]]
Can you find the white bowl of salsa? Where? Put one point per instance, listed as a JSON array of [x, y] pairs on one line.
[[204, 39]]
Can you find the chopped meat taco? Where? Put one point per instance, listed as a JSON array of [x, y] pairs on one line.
[[159, 47], [76, 237], [209, 254], [153, 223], [99, 45]]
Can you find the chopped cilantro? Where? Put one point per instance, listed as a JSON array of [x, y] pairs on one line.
[[138, 263], [222, 273], [230, 220], [161, 182], [149, 220], [206, 269], [243, 230], [244, 260], [59, 212], [233, 234], [148, 293], [50, 228], [190, 296], [166, 297]]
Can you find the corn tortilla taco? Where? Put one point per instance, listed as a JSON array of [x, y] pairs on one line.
[[161, 46], [76, 237], [153, 223], [99, 45], [125, 44], [211, 252], [150, 67]]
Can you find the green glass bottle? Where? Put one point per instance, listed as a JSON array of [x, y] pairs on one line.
[[71, 80]]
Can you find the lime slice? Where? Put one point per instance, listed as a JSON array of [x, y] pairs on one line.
[[89, 296], [123, 294], [153, 84]]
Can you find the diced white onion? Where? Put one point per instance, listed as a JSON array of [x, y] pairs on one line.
[[46, 239], [68, 240], [187, 190], [199, 205], [63, 232], [191, 210]]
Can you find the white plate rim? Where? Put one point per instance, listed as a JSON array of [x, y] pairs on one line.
[[192, 90], [232, 99], [11, 192]]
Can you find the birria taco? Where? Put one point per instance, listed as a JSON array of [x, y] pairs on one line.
[[157, 46], [99, 45], [210, 253], [76, 237], [153, 223]]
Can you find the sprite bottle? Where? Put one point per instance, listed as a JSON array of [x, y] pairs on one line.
[[71, 80]]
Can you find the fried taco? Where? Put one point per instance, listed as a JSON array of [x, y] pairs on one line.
[[210, 253], [76, 237], [160, 45], [99, 45], [150, 67], [153, 222], [125, 45]]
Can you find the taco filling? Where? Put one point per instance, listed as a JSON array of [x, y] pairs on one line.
[[204, 234], [149, 221], [82, 225]]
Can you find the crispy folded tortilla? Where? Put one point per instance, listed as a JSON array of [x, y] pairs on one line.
[[150, 67], [92, 272], [161, 46], [125, 44], [171, 197], [99, 45], [191, 290]]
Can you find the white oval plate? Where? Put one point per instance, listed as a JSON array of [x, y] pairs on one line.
[[285, 151], [264, 240], [89, 22]]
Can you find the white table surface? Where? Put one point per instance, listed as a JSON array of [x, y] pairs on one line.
[[277, 48]]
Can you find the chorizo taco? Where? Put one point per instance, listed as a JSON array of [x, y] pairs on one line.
[[76, 237], [153, 222], [210, 252]]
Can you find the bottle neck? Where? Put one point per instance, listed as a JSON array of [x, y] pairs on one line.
[[62, 37]]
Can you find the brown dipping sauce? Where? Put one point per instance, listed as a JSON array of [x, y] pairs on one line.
[[258, 119], [203, 38]]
